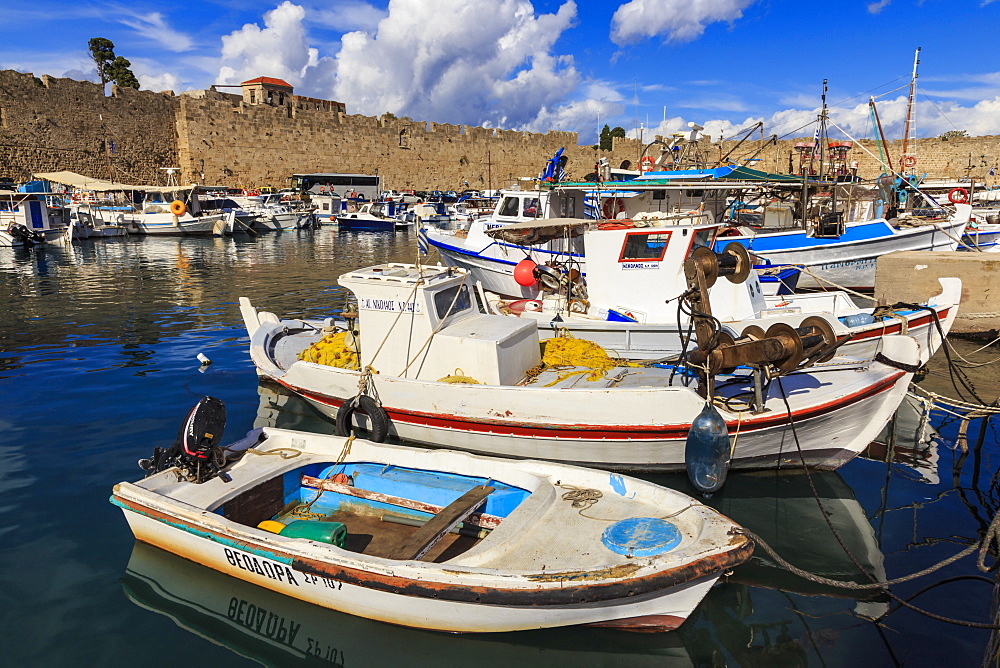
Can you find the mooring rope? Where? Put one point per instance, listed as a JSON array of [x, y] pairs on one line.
[[990, 538]]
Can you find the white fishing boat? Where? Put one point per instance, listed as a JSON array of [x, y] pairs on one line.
[[629, 300], [437, 540], [26, 220], [137, 209], [379, 216], [830, 254], [418, 329]]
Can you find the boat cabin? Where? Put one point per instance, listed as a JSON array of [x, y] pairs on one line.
[[423, 323], [29, 212], [634, 268]]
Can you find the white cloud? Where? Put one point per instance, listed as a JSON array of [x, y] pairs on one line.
[[155, 27], [484, 63], [877, 7], [280, 49], [677, 21], [158, 82]]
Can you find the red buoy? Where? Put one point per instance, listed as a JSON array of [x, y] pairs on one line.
[[524, 273]]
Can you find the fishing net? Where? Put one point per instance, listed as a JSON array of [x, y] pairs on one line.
[[567, 351], [459, 377], [332, 350]]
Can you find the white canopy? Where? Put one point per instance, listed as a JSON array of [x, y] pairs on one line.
[[100, 185]]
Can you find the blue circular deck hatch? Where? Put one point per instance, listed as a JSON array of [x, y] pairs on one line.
[[641, 537]]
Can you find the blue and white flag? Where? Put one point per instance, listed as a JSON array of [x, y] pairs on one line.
[[422, 243], [993, 171]]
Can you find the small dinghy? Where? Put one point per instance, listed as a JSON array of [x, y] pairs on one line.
[[438, 539]]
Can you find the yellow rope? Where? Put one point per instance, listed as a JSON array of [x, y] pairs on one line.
[[302, 510]]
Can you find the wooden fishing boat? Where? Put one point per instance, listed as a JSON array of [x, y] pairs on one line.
[[438, 540], [276, 630], [628, 300], [416, 325]]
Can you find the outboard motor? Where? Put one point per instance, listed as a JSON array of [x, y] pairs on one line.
[[21, 233], [196, 451]]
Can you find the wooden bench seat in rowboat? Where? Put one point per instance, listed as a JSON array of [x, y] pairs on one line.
[[443, 522]]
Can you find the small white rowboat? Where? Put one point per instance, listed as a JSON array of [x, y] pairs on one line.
[[540, 544]]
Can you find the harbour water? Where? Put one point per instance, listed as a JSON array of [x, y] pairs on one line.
[[98, 345]]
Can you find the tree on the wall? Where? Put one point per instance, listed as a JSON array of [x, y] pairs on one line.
[[110, 67], [607, 136]]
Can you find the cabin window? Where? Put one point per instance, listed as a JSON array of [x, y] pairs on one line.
[[443, 301], [509, 207], [644, 246], [253, 97], [565, 207], [702, 238], [531, 207]]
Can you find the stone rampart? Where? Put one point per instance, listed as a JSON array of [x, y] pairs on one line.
[[50, 124]]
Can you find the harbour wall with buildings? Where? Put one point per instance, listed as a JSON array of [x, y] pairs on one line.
[[52, 124]]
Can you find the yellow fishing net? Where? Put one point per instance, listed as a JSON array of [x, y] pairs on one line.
[[566, 351], [459, 377], [332, 350]]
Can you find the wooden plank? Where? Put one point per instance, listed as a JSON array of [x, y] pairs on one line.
[[426, 536], [482, 519], [257, 504]]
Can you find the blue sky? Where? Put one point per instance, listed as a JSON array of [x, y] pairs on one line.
[[548, 64]]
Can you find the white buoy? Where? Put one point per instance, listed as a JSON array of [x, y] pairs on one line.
[[204, 359]]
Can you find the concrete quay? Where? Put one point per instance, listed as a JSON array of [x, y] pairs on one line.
[[911, 276]]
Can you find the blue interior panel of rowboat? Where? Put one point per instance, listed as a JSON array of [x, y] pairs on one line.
[[427, 486]]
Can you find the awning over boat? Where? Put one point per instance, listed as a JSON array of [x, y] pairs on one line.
[[715, 174], [539, 230], [100, 185]]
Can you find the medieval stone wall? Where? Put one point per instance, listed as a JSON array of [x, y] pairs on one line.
[[254, 145], [49, 124]]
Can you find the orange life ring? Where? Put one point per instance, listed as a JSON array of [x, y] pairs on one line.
[[909, 161], [958, 196], [612, 207], [647, 163], [178, 208]]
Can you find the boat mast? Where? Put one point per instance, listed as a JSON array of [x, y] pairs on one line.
[[906, 157]]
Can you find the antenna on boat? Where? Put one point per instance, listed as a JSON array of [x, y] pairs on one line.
[[906, 160]]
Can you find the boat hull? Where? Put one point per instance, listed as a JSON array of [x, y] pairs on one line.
[[621, 428], [283, 573], [849, 262], [542, 564]]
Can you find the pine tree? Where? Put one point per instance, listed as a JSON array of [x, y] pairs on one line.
[[115, 69], [103, 52]]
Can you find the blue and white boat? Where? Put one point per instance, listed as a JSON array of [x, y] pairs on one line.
[[437, 540], [378, 216]]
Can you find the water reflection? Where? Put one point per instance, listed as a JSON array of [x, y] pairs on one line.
[[97, 364], [278, 630]]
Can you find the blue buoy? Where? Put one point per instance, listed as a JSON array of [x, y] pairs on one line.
[[641, 537], [707, 452]]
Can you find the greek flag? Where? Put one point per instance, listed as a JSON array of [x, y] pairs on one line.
[[993, 171], [422, 243]]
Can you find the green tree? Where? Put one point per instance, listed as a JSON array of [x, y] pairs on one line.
[[120, 73], [103, 52], [607, 135], [115, 69]]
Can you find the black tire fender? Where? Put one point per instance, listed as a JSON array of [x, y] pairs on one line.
[[367, 406]]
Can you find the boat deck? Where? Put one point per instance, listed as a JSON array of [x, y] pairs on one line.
[[368, 534]]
